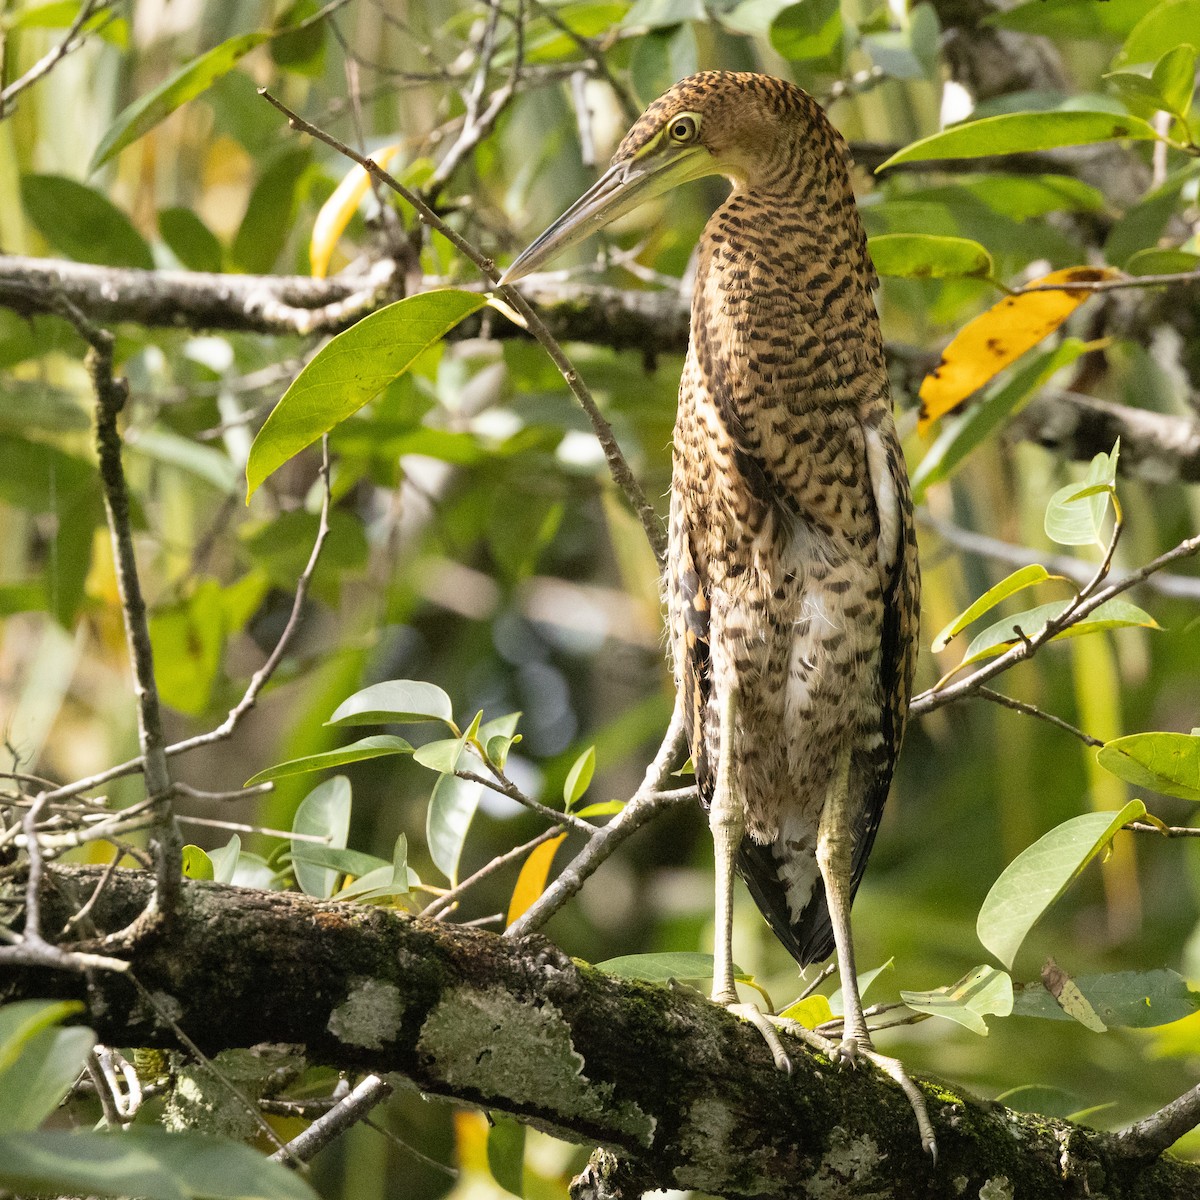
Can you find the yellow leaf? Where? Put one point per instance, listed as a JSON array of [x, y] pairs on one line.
[[532, 880], [336, 212], [811, 1012], [998, 337]]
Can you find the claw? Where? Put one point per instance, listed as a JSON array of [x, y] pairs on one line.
[[894, 1069], [756, 1017]]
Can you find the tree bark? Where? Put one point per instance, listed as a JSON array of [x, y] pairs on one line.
[[683, 1093]]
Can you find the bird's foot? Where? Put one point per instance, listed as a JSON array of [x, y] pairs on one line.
[[894, 1068], [765, 1026]]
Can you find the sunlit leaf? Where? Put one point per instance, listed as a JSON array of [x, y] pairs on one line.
[[337, 858], [1131, 999], [451, 808], [1112, 614], [335, 214], [442, 755], [352, 369], [926, 256], [147, 111], [395, 701], [1040, 874], [579, 777], [1162, 262], [602, 808], [324, 813], [1076, 512], [1112, 19], [1166, 762], [980, 993], [197, 864], [144, 1161], [375, 746], [1023, 133], [811, 1012], [1019, 580], [1174, 77], [998, 337], [811, 29], [1162, 29], [531, 882]]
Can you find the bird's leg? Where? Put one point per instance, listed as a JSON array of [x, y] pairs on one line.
[[728, 823], [835, 861]]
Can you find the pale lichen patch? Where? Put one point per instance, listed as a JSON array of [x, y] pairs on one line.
[[960, 1184], [712, 1144], [996, 1188], [486, 1040], [218, 1097], [369, 1016], [849, 1161]]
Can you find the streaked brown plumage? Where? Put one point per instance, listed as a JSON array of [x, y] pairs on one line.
[[792, 581]]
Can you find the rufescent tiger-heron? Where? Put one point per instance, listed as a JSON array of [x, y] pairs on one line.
[[792, 581]]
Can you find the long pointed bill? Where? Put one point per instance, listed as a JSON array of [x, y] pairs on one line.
[[619, 190]]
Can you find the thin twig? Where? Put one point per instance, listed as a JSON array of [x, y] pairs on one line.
[[647, 803], [1031, 710], [258, 680], [1150, 1137], [1111, 285], [1167, 831], [501, 783], [71, 41], [447, 899], [618, 467], [304, 1147]]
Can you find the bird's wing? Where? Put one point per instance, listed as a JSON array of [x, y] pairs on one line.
[[691, 611]]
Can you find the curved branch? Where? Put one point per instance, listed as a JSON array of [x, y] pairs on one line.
[[686, 1092]]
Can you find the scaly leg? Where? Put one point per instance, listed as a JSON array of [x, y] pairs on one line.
[[835, 861], [727, 821]]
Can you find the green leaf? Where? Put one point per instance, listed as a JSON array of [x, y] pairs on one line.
[[1166, 762], [225, 860], [579, 777], [197, 864], [43, 1072], [926, 256], [325, 813], [1019, 580], [376, 746], [441, 756], [980, 993], [451, 808], [162, 446], [1109, 20], [1162, 262], [1076, 519], [335, 858], [1023, 132], [61, 14], [660, 968], [963, 433], [1040, 874], [1129, 999], [1174, 78], [352, 369], [22, 1019], [186, 84], [82, 223], [808, 30], [1158, 32], [188, 640], [270, 213], [1113, 614], [603, 808], [506, 1154], [395, 701], [190, 240], [147, 1162], [300, 50]]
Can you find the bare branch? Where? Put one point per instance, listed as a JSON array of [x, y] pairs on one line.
[[1159, 1132], [1031, 710], [71, 42], [325, 1129]]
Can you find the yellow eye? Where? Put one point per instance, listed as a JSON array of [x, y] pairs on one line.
[[683, 129]]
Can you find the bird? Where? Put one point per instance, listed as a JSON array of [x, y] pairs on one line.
[[792, 582]]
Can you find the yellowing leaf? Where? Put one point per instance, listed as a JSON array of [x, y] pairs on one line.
[[1069, 998], [338, 210], [998, 337], [811, 1012], [532, 880]]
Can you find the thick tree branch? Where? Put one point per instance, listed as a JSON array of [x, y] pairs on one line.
[[682, 1089]]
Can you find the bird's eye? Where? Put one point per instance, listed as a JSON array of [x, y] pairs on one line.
[[683, 129]]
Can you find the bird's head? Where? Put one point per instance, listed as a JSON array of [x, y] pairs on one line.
[[714, 123]]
